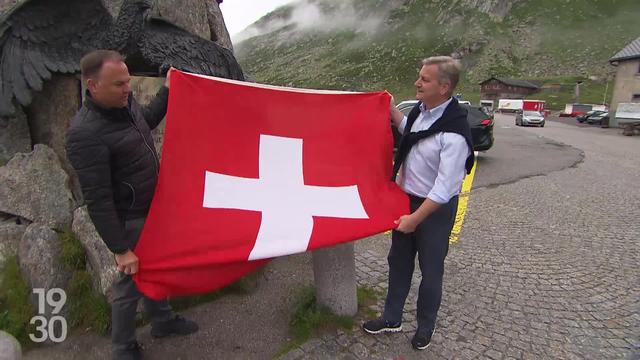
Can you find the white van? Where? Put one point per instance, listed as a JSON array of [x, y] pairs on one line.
[[628, 113], [509, 105]]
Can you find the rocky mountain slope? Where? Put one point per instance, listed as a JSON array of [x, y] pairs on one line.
[[376, 44]]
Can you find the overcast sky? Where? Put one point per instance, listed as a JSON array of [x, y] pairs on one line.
[[238, 14]]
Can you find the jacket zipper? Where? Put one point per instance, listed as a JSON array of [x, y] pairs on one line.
[[133, 191], [155, 158]]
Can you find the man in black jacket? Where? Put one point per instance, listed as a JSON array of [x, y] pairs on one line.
[[109, 144]]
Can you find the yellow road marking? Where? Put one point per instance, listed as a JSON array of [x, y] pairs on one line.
[[463, 201]]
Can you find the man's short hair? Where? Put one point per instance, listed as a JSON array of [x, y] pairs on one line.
[[91, 63], [448, 69]]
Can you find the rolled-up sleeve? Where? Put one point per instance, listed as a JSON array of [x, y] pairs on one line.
[[451, 170]]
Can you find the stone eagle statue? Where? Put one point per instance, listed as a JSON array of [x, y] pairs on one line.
[[41, 37]]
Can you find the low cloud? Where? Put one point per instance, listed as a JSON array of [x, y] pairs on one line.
[[308, 15]]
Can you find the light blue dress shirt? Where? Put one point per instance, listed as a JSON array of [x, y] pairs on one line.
[[435, 166]]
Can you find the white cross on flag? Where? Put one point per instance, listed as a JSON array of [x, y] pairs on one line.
[[250, 172]]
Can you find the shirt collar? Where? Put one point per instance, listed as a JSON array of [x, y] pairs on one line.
[[436, 111]]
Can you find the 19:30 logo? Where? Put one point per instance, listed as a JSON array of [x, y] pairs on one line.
[[54, 328]]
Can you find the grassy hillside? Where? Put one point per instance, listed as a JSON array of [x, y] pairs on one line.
[[375, 45]]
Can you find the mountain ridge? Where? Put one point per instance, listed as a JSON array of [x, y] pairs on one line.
[[373, 44]]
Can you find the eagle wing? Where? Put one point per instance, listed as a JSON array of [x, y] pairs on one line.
[[41, 37], [165, 44]]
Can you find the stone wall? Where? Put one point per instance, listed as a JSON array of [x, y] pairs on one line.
[[190, 15], [50, 114], [5, 5], [14, 135], [144, 89], [219, 32]]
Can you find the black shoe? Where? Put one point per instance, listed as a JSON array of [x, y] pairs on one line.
[[178, 325], [380, 325], [129, 352], [422, 339]]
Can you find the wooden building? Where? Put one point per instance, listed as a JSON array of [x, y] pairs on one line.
[[500, 88]]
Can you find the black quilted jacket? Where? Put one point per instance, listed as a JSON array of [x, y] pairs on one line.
[[113, 154]]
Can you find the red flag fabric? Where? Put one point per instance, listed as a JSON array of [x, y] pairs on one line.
[[250, 172]]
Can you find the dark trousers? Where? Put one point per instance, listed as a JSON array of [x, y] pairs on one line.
[[126, 296], [431, 242]]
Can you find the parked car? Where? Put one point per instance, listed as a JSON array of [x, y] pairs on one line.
[[480, 122], [599, 118], [481, 125], [583, 118], [406, 106], [575, 110], [528, 117]]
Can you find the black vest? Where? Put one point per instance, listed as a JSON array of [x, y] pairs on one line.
[[453, 120]]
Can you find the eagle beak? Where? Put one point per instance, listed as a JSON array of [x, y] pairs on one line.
[[146, 14], [148, 11]]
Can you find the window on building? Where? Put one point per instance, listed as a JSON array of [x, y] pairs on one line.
[[635, 98]]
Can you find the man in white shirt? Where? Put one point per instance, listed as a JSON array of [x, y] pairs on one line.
[[433, 155]]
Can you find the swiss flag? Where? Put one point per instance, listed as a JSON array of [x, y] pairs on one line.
[[250, 172]]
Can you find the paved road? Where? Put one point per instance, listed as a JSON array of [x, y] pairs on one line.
[[546, 266], [518, 154]]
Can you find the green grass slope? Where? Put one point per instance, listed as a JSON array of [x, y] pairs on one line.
[[367, 45]]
